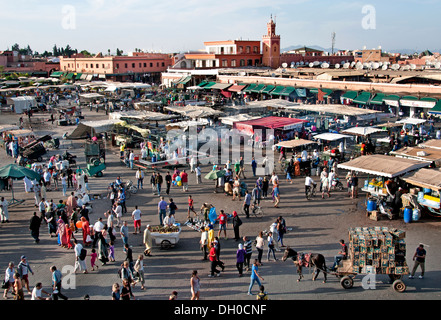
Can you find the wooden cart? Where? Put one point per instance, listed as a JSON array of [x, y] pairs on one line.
[[377, 250]]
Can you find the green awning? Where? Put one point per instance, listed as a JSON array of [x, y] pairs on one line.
[[429, 99], [78, 76], [70, 76], [258, 88], [378, 99], [315, 90], [209, 85], [362, 98], [409, 98], [436, 109], [203, 83], [392, 97], [250, 87], [268, 89], [57, 74], [287, 91], [351, 95], [277, 91], [185, 80]]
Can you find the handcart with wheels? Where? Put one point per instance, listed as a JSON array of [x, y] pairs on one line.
[[166, 237], [374, 251]]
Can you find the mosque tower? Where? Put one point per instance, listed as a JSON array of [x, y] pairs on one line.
[[271, 46]]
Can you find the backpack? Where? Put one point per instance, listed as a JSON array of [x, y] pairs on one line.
[[83, 254], [262, 296]]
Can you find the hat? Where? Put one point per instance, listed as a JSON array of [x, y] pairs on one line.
[[240, 246], [234, 213], [22, 257]]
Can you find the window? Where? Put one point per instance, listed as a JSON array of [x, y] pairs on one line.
[[224, 63], [97, 66], [248, 49], [117, 66], [242, 62], [157, 64], [240, 49], [87, 65], [151, 64], [68, 65], [233, 63], [145, 65], [163, 64], [104, 66], [140, 65], [255, 49], [133, 65], [125, 65]]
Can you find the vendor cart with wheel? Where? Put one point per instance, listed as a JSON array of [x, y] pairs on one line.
[[166, 237], [374, 251]]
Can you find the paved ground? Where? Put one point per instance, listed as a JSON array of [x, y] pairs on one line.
[[316, 226]]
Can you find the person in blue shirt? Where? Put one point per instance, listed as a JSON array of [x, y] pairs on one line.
[[56, 284], [255, 277]]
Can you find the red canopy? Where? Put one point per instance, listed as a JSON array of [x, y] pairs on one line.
[[236, 88], [280, 123]]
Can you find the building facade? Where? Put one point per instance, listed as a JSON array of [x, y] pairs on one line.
[[271, 46], [146, 67]]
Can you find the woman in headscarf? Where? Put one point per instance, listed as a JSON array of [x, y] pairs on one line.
[[240, 258], [69, 234], [86, 230], [103, 252], [61, 232]]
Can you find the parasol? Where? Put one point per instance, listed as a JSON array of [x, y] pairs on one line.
[[16, 172]]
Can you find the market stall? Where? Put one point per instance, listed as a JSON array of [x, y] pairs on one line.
[[382, 168], [431, 155], [429, 180]]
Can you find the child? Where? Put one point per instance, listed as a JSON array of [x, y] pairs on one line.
[[93, 256], [112, 251]]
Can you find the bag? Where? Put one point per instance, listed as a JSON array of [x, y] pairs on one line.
[[88, 238], [239, 222], [83, 254], [5, 285]]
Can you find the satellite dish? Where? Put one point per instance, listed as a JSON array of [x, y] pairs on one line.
[[337, 66], [316, 63], [284, 65], [384, 67], [413, 66], [292, 65], [346, 65], [359, 66], [353, 63], [395, 67], [375, 65], [325, 65], [311, 65], [438, 65]]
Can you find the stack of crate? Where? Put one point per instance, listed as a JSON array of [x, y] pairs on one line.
[[379, 250]]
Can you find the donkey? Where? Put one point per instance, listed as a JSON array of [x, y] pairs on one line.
[[316, 260]]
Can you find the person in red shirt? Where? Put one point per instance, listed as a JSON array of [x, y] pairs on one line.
[[191, 207], [184, 180], [222, 223], [213, 260]]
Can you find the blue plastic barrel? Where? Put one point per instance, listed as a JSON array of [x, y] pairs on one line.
[[427, 190], [371, 205], [416, 214], [407, 215]]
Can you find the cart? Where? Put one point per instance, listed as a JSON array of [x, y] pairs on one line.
[[164, 238], [375, 250]]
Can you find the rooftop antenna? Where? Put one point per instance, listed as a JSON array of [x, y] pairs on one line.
[[333, 42]]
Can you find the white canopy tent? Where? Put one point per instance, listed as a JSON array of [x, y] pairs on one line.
[[331, 136], [362, 131], [22, 103], [412, 121]]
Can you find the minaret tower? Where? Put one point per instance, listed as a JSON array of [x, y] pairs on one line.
[[271, 46]]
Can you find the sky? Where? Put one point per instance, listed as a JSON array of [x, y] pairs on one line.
[[171, 26]]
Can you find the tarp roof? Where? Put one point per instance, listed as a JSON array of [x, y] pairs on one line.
[[433, 143], [382, 165], [416, 153], [412, 121], [331, 136], [195, 111], [141, 115], [272, 123], [425, 178], [294, 143], [91, 128], [362, 131]]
